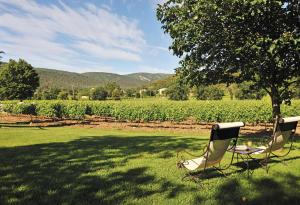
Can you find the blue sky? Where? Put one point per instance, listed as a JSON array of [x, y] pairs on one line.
[[119, 36]]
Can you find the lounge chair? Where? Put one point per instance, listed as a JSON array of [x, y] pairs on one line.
[[284, 130], [221, 136]]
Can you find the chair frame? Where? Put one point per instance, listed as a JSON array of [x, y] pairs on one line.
[[213, 136], [268, 154]]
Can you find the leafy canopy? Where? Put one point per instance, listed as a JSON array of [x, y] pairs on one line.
[[18, 80], [98, 93], [236, 40], [209, 93], [177, 91]]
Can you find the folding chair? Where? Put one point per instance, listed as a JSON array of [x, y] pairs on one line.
[[284, 130], [221, 136]]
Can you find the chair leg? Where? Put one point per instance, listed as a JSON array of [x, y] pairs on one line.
[[221, 171]]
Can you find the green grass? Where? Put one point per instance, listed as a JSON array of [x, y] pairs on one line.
[[94, 166]]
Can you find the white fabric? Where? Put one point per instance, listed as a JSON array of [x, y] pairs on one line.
[[217, 149], [280, 140], [230, 125], [291, 119], [194, 163], [242, 147]]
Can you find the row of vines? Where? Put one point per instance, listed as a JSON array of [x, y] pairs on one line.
[[153, 110]]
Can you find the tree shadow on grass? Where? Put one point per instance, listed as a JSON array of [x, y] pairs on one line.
[[280, 189], [91, 170], [95, 170]]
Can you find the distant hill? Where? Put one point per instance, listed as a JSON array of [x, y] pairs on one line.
[[63, 79], [163, 82]]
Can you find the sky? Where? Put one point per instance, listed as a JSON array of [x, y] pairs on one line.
[[117, 36]]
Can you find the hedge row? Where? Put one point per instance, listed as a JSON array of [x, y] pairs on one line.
[[154, 110]]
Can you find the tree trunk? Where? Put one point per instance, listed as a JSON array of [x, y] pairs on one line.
[[275, 97]]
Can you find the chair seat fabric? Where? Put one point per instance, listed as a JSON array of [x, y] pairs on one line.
[[280, 140], [215, 154]]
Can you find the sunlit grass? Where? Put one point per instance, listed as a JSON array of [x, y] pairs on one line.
[[95, 166]]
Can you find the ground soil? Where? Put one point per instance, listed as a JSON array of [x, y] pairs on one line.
[[109, 123]]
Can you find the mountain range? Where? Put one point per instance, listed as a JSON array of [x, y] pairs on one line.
[[63, 79]]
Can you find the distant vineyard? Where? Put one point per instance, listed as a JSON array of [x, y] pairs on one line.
[[154, 110]]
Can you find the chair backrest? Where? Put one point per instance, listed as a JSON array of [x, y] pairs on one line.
[[221, 135], [283, 131]]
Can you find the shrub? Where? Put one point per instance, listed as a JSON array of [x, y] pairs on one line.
[[177, 92], [62, 95], [98, 93], [49, 109], [116, 94], [74, 110], [15, 107], [209, 93]]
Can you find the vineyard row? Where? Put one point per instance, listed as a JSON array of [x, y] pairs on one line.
[[251, 111]]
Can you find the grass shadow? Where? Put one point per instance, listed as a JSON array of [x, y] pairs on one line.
[[87, 171], [281, 189], [95, 170]]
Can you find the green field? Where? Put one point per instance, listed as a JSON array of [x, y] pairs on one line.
[[155, 109], [69, 165]]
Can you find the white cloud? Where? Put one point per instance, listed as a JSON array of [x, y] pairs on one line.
[[58, 34]]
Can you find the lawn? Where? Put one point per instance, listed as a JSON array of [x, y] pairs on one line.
[[72, 165]]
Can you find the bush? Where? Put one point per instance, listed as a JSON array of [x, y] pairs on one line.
[[98, 94], [110, 87], [116, 94], [75, 110], [209, 93], [130, 92], [63, 95], [49, 109], [47, 94], [101, 109], [177, 92], [20, 108]]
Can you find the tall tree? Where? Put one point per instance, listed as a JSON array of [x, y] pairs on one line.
[[18, 80], [236, 40], [110, 87]]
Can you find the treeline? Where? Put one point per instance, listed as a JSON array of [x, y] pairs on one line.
[[19, 81], [178, 90], [108, 91]]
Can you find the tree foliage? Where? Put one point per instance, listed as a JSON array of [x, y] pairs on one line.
[[246, 91], [18, 80], [110, 87], [63, 95], [177, 92], [116, 94], [209, 93], [98, 93], [236, 40]]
